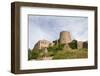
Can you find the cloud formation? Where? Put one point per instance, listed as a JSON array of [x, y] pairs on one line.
[[49, 27]]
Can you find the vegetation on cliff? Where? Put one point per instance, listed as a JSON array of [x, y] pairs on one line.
[[58, 52]]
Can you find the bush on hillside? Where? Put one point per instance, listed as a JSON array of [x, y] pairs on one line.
[[73, 44]]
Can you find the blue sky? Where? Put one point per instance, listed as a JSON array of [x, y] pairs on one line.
[[49, 27]]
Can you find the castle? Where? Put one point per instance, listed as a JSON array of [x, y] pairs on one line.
[[64, 38]]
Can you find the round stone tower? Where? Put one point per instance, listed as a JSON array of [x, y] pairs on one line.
[[65, 37]]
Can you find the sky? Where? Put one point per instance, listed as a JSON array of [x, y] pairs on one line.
[[43, 27]]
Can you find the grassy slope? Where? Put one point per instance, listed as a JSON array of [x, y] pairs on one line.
[[60, 54], [71, 54]]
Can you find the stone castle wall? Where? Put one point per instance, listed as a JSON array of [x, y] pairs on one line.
[[41, 44], [79, 44], [64, 38]]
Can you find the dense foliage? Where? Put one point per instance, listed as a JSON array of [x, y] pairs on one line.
[[58, 52], [55, 48], [71, 54], [73, 44]]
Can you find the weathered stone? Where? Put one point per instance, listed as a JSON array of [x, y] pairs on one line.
[[66, 47], [65, 37], [41, 44], [79, 44]]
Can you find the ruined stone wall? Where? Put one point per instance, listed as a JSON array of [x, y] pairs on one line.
[[79, 44], [42, 44], [65, 38]]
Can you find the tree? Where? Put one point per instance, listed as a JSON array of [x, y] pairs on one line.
[[29, 54], [73, 44]]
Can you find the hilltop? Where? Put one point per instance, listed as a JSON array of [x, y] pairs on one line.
[[62, 48]]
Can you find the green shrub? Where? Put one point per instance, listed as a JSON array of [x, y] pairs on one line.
[[55, 48], [34, 54], [29, 54], [71, 54], [73, 44], [60, 55]]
